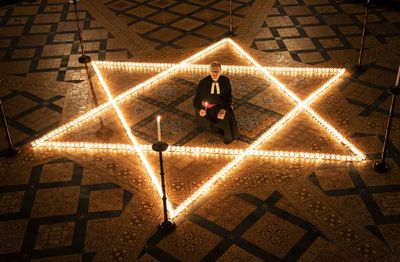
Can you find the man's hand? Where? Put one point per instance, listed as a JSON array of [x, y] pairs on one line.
[[221, 114], [202, 112]]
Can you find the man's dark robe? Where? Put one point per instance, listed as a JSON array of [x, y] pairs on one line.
[[223, 100]]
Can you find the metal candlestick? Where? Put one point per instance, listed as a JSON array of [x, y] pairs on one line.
[[166, 226], [381, 166], [231, 32], [83, 59], [12, 150], [358, 67]]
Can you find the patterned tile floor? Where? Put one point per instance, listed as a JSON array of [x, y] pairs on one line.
[[66, 205], [316, 31], [179, 23]]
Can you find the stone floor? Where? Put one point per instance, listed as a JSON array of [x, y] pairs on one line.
[[100, 205]]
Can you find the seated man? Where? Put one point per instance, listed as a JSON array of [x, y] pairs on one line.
[[213, 104]]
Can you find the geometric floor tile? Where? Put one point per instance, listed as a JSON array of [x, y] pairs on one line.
[[265, 233], [49, 215]]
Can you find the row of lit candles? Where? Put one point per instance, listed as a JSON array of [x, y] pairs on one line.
[[204, 67], [240, 154], [127, 148]]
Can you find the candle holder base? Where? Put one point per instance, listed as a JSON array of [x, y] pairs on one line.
[[231, 33], [167, 227], [159, 146], [394, 90], [84, 59], [380, 166], [12, 151], [358, 68]]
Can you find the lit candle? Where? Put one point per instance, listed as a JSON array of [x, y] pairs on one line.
[[159, 128], [205, 106], [398, 77]]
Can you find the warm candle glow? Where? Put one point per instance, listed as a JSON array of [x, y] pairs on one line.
[[165, 70], [159, 128]]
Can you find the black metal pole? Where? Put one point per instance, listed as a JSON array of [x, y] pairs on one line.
[[164, 198], [231, 32], [358, 67], [83, 59], [381, 166], [11, 151], [166, 226]]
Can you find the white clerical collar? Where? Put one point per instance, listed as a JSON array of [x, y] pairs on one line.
[[215, 85]]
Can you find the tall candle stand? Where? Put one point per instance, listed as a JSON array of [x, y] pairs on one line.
[[231, 31], [167, 225], [12, 150], [381, 166], [359, 67], [83, 59]]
